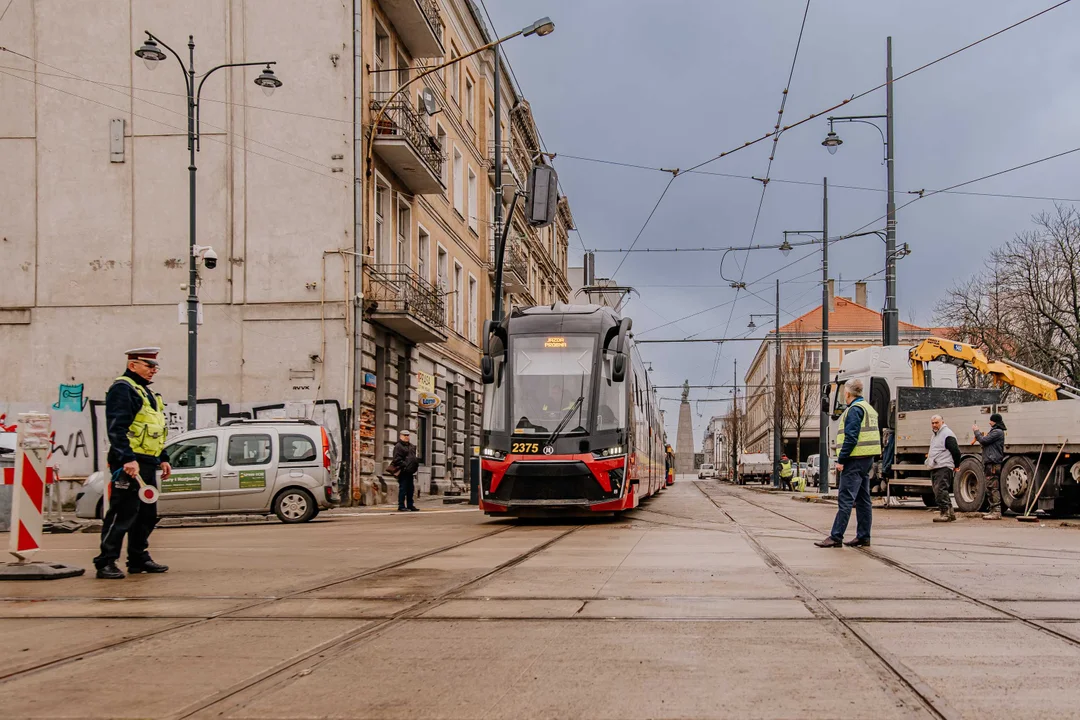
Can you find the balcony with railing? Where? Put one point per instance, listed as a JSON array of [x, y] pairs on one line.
[[404, 302], [418, 24], [515, 264], [404, 142]]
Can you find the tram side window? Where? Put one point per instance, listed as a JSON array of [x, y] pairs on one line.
[[495, 399], [611, 414]]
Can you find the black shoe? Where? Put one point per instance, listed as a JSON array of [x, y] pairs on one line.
[[858, 542], [110, 572], [402, 509], [147, 567], [828, 543], [414, 509]]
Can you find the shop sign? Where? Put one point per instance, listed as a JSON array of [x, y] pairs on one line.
[[429, 401]]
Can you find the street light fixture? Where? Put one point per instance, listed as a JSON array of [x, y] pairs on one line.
[[151, 54], [785, 247], [752, 324], [832, 141], [543, 26]]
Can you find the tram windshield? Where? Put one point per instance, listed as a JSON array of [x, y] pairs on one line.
[[552, 383]]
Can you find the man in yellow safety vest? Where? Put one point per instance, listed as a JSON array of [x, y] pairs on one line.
[[858, 441], [135, 422], [785, 473]]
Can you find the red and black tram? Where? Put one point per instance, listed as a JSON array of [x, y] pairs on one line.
[[571, 422]]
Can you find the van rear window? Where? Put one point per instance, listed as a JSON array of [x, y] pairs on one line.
[[298, 448]]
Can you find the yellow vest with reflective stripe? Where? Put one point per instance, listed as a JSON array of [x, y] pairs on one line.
[[785, 469], [869, 444], [148, 430]]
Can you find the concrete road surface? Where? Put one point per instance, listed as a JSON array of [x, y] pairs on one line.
[[708, 602]]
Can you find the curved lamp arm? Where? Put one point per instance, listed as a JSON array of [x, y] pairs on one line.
[[198, 92], [183, 67]]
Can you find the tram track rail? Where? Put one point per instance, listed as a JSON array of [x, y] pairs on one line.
[[228, 613], [987, 603], [334, 647]]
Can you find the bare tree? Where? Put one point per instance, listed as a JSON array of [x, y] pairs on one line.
[[1024, 304], [731, 429], [798, 390]]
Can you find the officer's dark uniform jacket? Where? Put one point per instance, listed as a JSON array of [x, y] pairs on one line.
[[122, 404]]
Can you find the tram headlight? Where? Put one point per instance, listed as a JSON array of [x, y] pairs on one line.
[[609, 452], [492, 453]]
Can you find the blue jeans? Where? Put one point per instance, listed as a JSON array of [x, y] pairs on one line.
[[854, 491]]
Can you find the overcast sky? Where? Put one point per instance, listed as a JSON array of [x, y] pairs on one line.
[[672, 84]]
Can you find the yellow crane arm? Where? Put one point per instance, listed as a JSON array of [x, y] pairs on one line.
[[964, 355]]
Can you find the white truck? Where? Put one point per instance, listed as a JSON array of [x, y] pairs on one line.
[[907, 389], [755, 467]]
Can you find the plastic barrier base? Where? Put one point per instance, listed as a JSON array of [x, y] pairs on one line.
[[38, 571]]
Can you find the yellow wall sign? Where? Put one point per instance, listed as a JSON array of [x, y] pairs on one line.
[[425, 383], [555, 342]]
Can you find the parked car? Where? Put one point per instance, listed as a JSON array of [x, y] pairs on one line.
[[813, 470], [285, 467], [706, 471]]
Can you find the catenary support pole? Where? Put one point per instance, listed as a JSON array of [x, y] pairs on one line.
[[823, 418]]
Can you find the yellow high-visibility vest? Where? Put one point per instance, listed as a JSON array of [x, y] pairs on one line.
[[148, 430], [869, 443], [785, 469]]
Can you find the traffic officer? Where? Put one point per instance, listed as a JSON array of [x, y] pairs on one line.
[[785, 472], [859, 442], [135, 422]]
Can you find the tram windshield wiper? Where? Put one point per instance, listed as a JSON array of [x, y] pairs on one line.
[[566, 418]]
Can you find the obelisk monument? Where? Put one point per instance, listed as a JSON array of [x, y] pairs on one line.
[[684, 438]]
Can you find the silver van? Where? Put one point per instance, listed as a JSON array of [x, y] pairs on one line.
[[286, 467]]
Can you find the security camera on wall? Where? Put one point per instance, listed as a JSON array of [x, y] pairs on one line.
[[206, 254]]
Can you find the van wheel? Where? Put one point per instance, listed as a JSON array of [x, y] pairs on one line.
[[294, 505], [1017, 478], [969, 486]]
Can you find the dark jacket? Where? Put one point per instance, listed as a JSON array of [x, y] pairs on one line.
[[993, 445], [852, 426], [405, 458], [954, 449], [122, 403]]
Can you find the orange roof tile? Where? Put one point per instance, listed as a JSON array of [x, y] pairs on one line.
[[846, 316]]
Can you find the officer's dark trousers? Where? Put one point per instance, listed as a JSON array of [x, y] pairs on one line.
[[854, 491], [405, 492], [129, 516], [943, 481]]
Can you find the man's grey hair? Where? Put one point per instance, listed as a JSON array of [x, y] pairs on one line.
[[937, 417], [854, 387]]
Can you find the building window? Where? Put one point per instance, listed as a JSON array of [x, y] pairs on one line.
[[472, 309], [812, 359], [402, 70], [455, 75], [382, 59], [422, 438], [404, 233], [472, 200], [444, 167], [382, 199], [440, 281], [470, 98], [423, 248], [491, 133], [459, 183], [459, 292]]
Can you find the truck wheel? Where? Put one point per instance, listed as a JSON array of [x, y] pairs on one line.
[[929, 500], [1017, 476], [294, 505], [969, 486]]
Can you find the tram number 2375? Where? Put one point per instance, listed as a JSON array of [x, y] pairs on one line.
[[524, 447]]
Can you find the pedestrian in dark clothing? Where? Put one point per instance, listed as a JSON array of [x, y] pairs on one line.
[[993, 452], [859, 440], [135, 423], [406, 464], [943, 460]]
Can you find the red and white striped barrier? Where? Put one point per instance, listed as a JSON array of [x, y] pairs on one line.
[[28, 495]]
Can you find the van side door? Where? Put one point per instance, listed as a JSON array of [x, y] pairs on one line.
[[247, 478]]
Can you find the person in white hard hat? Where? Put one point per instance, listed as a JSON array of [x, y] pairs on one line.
[[135, 423]]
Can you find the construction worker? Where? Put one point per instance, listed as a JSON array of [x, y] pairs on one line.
[[993, 448], [135, 423], [785, 473], [943, 460], [859, 442]]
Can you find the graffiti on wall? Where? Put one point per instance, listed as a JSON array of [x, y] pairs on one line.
[[71, 399]]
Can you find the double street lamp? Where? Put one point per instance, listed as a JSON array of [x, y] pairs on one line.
[[832, 141], [152, 54]]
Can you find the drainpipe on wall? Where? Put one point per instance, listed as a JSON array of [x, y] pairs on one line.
[[358, 245]]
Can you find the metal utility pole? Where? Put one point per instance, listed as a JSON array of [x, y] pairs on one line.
[[892, 314], [823, 418], [496, 235], [778, 441], [735, 428]]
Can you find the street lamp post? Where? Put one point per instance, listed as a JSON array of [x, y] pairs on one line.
[[777, 383], [151, 54], [891, 316]]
